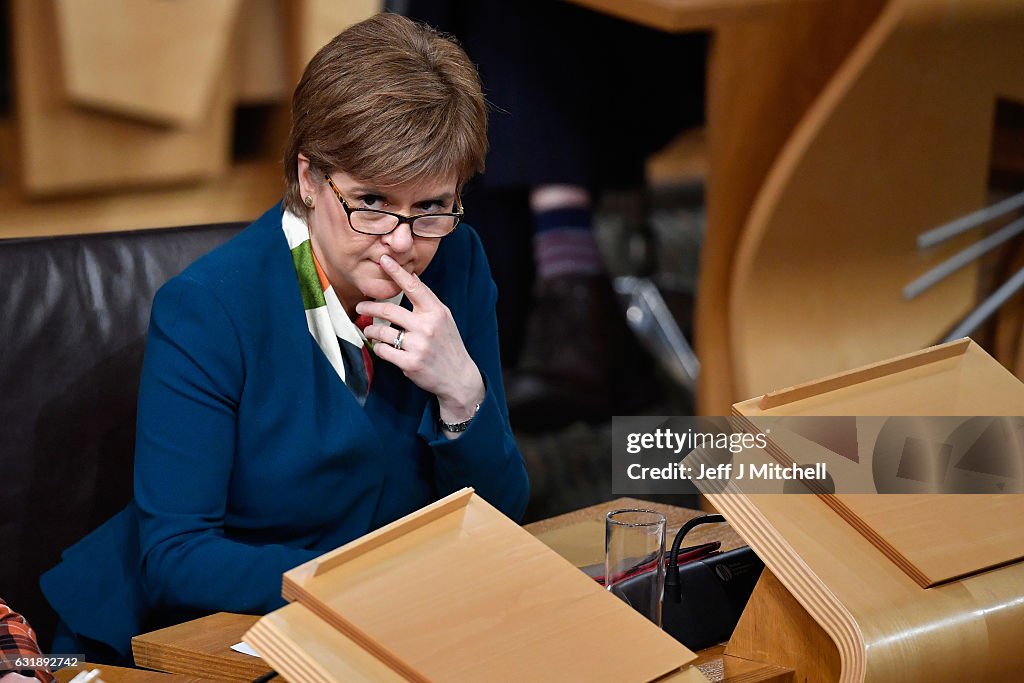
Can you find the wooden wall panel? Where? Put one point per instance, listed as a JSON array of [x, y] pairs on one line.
[[261, 58], [150, 59], [64, 148], [315, 22]]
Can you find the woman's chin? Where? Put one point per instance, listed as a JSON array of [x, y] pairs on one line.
[[380, 290]]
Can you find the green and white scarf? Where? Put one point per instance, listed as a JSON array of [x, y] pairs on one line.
[[325, 315]]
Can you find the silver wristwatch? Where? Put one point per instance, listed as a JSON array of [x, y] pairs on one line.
[[457, 427]]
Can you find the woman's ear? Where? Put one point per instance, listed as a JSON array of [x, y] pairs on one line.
[[307, 184]]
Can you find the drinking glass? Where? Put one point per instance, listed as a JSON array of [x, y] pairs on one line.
[[634, 559]]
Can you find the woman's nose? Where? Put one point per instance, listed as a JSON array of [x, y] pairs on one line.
[[400, 239]]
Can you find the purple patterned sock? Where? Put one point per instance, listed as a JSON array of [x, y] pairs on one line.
[[564, 243]]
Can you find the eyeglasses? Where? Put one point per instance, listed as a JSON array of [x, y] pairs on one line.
[[378, 222]]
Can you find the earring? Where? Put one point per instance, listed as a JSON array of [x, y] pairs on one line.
[[309, 200]]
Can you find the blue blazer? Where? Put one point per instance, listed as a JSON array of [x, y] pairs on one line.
[[252, 456]]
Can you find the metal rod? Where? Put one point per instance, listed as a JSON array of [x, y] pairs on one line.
[[681, 348], [971, 220], [962, 258], [987, 307], [651, 319]]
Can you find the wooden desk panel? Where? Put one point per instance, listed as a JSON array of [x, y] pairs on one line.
[[203, 646], [914, 529], [117, 674], [489, 598]]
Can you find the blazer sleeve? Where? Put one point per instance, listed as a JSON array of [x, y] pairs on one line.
[[192, 379], [485, 456]]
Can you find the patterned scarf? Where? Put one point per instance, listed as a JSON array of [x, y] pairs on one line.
[[326, 318]]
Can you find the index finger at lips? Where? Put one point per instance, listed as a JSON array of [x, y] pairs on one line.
[[419, 294]]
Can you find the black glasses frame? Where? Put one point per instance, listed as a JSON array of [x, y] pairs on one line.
[[411, 220]]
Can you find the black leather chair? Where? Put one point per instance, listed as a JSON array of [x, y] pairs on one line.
[[73, 318]]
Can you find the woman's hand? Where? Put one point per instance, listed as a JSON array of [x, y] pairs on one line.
[[432, 354]]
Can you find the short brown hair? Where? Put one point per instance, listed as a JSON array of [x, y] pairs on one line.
[[388, 101]]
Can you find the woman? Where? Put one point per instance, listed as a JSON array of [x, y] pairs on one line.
[[268, 431]]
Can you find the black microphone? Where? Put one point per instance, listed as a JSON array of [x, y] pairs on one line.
[[673, 588]]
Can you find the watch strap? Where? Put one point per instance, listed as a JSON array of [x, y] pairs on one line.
[[457, 427]]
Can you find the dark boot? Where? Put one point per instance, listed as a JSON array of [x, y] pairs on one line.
[[580, 361]]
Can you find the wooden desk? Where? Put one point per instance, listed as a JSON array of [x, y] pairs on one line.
[[117, 674], [769, 60], [202, 647]]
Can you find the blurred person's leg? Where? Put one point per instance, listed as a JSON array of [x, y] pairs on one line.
[[580, 100]]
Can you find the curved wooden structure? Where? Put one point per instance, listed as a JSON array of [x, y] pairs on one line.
[[768, 61], [871, 621], [839, 608], [898, 142]]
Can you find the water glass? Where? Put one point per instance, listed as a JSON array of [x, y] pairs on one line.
[[634, 559]]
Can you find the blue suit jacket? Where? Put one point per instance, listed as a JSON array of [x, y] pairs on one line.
[[252, 456]]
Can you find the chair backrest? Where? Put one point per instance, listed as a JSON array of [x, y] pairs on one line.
[[73, 318]]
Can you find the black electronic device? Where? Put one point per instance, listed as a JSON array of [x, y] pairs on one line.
[[713, 593], [703, 599]]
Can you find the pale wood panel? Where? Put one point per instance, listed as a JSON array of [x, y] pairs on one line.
[[293, 639], [315, 22], [118, 674], [719, 667], [898, 143], [177, 648], [202, 642], [883, 624], [689, 675], [204, 648], [261, 58], [966, 382], [914, 531], [762, 77], [774, 627], [246, 192], [500, 615], [150, 59], [938, 539], [64, 148], [683, 160], [329, 657]]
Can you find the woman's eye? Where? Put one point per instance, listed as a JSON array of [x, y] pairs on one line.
[[371, 201], [431, 207]]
